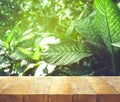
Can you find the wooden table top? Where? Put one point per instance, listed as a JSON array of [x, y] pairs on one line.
[[59, 85]]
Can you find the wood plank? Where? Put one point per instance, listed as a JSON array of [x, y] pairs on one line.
[[60, 98], [55, 83], [84, 98], [60, 90], [82, 90], [100, 86], [108, 98], [113, 81], [36, 98], [60, 85], [40, 85], [80, 85], [15, 85], [65, 86], [11, 98]]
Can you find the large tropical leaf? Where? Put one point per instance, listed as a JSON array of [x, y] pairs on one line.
[[107, 21], [89, 35], [85, 27], [64, 53]]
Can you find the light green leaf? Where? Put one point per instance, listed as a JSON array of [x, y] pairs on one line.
[[107, 21], [36, 54], [64, 53], [27, 37], [70, 29], [22, 54], [10, 34], [25, 51], [116, 44], [27, 31]]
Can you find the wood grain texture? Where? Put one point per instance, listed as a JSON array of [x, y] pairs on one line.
[[55, 83], [36, 98], [100, 86], [11, 98], [60, 89], [108, 98], [40, 85], [60, 98], [114, 82], [15, 85], [85, 98], [80, 85]]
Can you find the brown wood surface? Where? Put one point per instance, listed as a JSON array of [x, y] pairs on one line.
[[60, 89]]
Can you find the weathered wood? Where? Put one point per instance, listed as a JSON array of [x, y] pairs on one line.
[[59, 89]]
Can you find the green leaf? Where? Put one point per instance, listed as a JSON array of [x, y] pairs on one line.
[[36, 54], [116, 44], [89, 35], [107, 21], [71, 33], [25, 51], [10, 34], [27, 31], [64, 53], [22, 54], [18, 56], [85, 28], [70, 29], [27, 37]]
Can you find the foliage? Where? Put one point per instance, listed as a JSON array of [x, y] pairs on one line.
[[4, 60], [23, 58], [111, 31], [96, 34], [72, 71], [34, 31], [72, 53], [41, 15], [28, 26]]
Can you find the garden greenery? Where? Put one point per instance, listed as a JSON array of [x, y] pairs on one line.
[[28, 26], [60, 37], [96, 37]]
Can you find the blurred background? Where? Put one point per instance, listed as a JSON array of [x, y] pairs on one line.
[[27, 26]]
